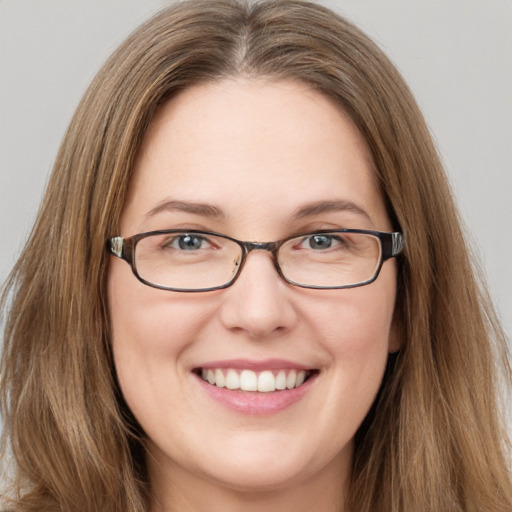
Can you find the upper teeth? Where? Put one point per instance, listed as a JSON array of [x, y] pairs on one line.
[[248, 380]]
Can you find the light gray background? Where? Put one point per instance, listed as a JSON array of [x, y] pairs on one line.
[[455, 54]]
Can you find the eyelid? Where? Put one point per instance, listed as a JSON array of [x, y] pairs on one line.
[[173, 238], [315, 227], [189, 227], [333, 236]]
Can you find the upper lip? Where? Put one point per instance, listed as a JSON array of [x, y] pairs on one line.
[[255, 365]]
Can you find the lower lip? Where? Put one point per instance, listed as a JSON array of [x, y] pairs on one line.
[[254, 403]]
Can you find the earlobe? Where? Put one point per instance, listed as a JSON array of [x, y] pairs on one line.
[[395, 334]]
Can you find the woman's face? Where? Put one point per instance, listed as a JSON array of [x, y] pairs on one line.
[[258, 161]]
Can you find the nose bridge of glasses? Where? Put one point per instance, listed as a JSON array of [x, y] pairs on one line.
[[271, 247], [261, 246]]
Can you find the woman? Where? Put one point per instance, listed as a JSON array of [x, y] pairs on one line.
[[247, 288]]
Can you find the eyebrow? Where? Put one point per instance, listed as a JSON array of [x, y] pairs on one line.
[[339, 205], [209, 210], [204, 209]]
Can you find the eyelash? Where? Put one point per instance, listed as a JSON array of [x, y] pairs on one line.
[[338, 240], [169, 243]]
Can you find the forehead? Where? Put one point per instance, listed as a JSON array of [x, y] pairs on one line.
[[252, 148]]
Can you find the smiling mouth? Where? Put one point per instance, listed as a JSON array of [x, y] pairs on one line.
[[266, 381]]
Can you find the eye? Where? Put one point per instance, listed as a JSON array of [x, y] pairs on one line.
[[189, 242], [320, 242]]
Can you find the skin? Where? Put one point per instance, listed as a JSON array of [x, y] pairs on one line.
[[258, 151]]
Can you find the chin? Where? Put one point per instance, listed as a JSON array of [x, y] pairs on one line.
[[245, 478]]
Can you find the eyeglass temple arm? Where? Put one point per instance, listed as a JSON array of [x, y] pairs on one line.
[[116, 246], [121, 247], [393, 245]]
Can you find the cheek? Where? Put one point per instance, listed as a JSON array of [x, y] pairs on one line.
[[359, 348], [357, 335], [151, 329], [147, 320], [356, 320]]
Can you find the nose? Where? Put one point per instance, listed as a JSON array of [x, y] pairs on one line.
[[259, 303]]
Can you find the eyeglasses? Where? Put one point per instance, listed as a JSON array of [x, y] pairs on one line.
[[199, 261]]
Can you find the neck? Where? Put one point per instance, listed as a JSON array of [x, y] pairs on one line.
[[179, 490]]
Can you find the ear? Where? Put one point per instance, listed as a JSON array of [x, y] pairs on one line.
[[396, 334]]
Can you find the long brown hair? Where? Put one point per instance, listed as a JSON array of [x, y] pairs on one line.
[[433, 441]]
